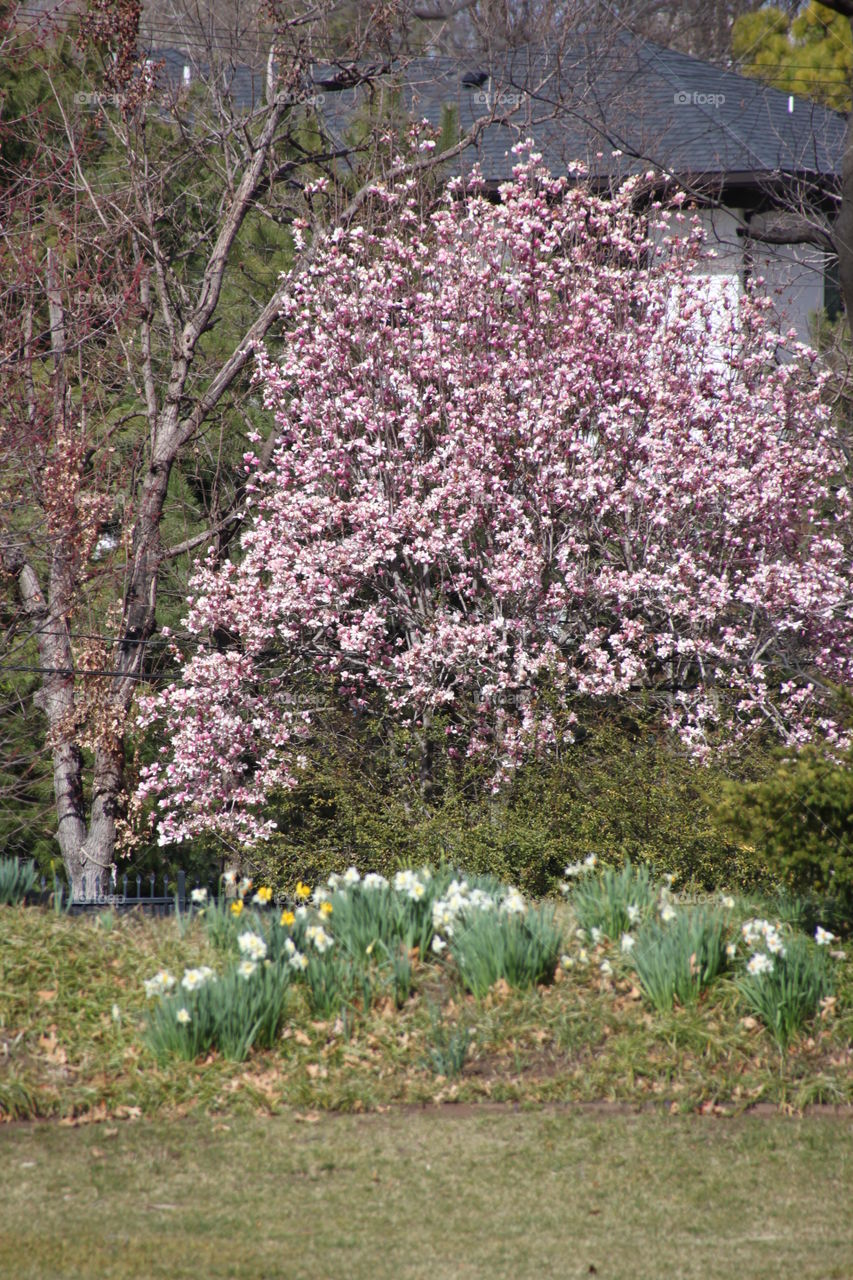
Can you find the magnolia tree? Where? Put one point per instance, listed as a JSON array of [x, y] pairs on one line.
[[526, 459]]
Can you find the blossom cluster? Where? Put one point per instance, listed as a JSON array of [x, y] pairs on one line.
[[163, 982], [461, 900], [512, 472]]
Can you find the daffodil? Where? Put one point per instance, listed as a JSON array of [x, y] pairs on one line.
[[237, 907], [303, 890], [326, 908], [288, 920], [162, 982], [195, 978], [183, 1016], [263, 896], [252, 945]]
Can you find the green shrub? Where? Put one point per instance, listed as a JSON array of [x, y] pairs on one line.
[[799, 822], [522, 949], [17, 879], [678, 959], [377, 798], [789, 993]]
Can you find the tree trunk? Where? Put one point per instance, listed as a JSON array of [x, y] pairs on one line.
[[843, 229]]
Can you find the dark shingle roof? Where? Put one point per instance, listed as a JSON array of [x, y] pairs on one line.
[[661, 108], [605, 92]]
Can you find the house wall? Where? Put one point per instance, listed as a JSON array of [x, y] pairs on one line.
[[793, 275]]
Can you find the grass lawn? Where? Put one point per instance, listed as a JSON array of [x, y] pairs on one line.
[[442, 1192]]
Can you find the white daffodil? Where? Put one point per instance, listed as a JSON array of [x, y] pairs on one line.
[[321, 940], [627, 942], [759, 963], [194, 978], [252, 946], [183, 1016], [246, 968], [514, 904], [198, 897], [823, 937], [162, 982], [438, 944]]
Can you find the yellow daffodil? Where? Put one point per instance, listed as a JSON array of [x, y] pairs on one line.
[[264, 893], [325, 908], [303, 890], [288, 920], [237, 907]]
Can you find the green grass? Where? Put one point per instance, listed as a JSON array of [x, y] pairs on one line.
[[445, 1193]]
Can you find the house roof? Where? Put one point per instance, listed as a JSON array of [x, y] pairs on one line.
[[660, 108], [606, 91]]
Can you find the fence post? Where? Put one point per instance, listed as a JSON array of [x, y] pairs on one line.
[[182, 891]]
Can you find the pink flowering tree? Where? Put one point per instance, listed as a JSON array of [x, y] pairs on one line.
[[526, 460]]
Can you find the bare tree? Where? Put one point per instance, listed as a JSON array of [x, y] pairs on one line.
[[141, 243]]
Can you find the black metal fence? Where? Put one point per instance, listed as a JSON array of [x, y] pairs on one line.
[[124, 893]]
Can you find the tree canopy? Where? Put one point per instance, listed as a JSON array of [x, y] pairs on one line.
[[526, 459], [809, 53]]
